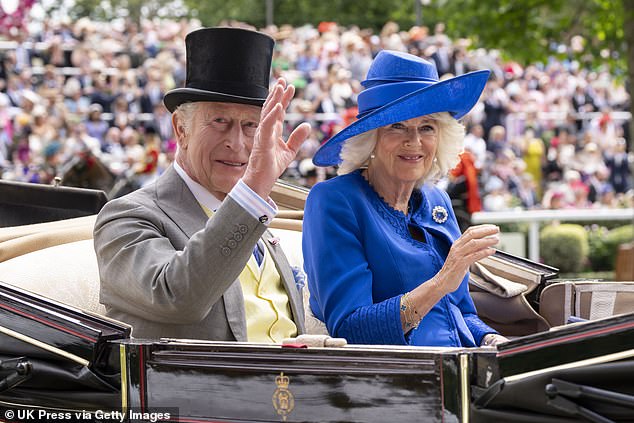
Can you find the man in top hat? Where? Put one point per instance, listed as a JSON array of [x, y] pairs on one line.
[[189, 255]]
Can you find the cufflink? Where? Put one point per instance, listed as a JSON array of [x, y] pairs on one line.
[[274, 241], [263, 219]]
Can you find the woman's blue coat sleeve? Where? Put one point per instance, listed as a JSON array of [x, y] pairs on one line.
[[339, 278]]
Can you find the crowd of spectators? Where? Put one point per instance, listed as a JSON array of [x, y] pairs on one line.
[[549, 135]]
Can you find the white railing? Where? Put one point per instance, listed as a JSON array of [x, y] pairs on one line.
[[535, 217], [545, 116]]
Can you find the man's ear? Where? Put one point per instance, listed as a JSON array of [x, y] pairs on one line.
[[179, 131]]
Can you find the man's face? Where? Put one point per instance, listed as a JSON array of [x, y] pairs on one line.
[[215, 149]]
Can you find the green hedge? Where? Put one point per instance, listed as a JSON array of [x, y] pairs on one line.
[[599, 253], [604, 245], [564, 246]]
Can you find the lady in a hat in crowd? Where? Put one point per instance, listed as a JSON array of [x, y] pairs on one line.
[[385, 259]]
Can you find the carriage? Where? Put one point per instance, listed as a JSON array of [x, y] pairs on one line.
[[570, 357]]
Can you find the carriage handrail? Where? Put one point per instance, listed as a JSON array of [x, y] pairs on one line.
[[534, 217]]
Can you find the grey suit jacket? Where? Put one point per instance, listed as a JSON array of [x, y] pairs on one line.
[[169, 271]]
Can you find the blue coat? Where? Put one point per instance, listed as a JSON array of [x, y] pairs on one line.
[[360, 259]]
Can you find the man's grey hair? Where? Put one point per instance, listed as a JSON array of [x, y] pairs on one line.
[[356, 151], [185, 114]]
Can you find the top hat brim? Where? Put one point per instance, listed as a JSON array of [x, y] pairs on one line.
[[456, 96], [178, 96]]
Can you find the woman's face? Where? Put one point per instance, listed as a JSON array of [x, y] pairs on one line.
[[405, 150]]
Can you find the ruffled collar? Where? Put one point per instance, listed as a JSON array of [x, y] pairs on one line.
[[396, 218], [416, 204]]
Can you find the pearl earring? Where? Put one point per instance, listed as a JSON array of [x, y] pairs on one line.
[[372, 156]]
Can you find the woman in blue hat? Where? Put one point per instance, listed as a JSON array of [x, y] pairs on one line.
[[385, 259]]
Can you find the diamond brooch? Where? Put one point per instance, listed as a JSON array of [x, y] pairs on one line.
[[439, 214]]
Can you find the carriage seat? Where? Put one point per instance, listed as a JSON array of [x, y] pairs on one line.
[[66, 273], [57, 260]]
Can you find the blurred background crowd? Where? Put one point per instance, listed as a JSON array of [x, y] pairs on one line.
[[83, 101]]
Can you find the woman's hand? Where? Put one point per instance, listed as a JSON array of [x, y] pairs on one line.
[[475, 244], [492, 340]]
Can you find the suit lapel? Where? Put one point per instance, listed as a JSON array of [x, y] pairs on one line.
[[177, 201], [288, 280], [179, 204], [234, 300]]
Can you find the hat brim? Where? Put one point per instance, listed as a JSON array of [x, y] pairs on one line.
[[178, 96], [456, 96]]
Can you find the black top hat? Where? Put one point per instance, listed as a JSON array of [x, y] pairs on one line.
[[225, 64]]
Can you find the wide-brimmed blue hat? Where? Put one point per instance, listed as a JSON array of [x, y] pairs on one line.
[[401, 86]]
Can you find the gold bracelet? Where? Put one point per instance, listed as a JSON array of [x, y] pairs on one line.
[[413, 314], [410, 315]]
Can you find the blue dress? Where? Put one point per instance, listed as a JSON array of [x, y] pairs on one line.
[[360, 259]]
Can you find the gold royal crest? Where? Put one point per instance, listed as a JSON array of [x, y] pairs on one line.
[[283, 400]]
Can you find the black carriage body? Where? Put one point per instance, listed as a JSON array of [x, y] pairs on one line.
[[66, 355], [23, 203], [231, 382], [198, 381]]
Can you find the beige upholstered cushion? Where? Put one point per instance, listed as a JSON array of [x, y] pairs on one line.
[[313, 325], [585, 299], [291, 243], [67, 273], [13, 232], [18, 240]]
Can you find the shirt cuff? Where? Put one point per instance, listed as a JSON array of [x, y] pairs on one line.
[[263, 210]]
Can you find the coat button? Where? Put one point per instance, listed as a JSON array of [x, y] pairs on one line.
[[225, 251], [243, 229], [232, 244], [237, 236]]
